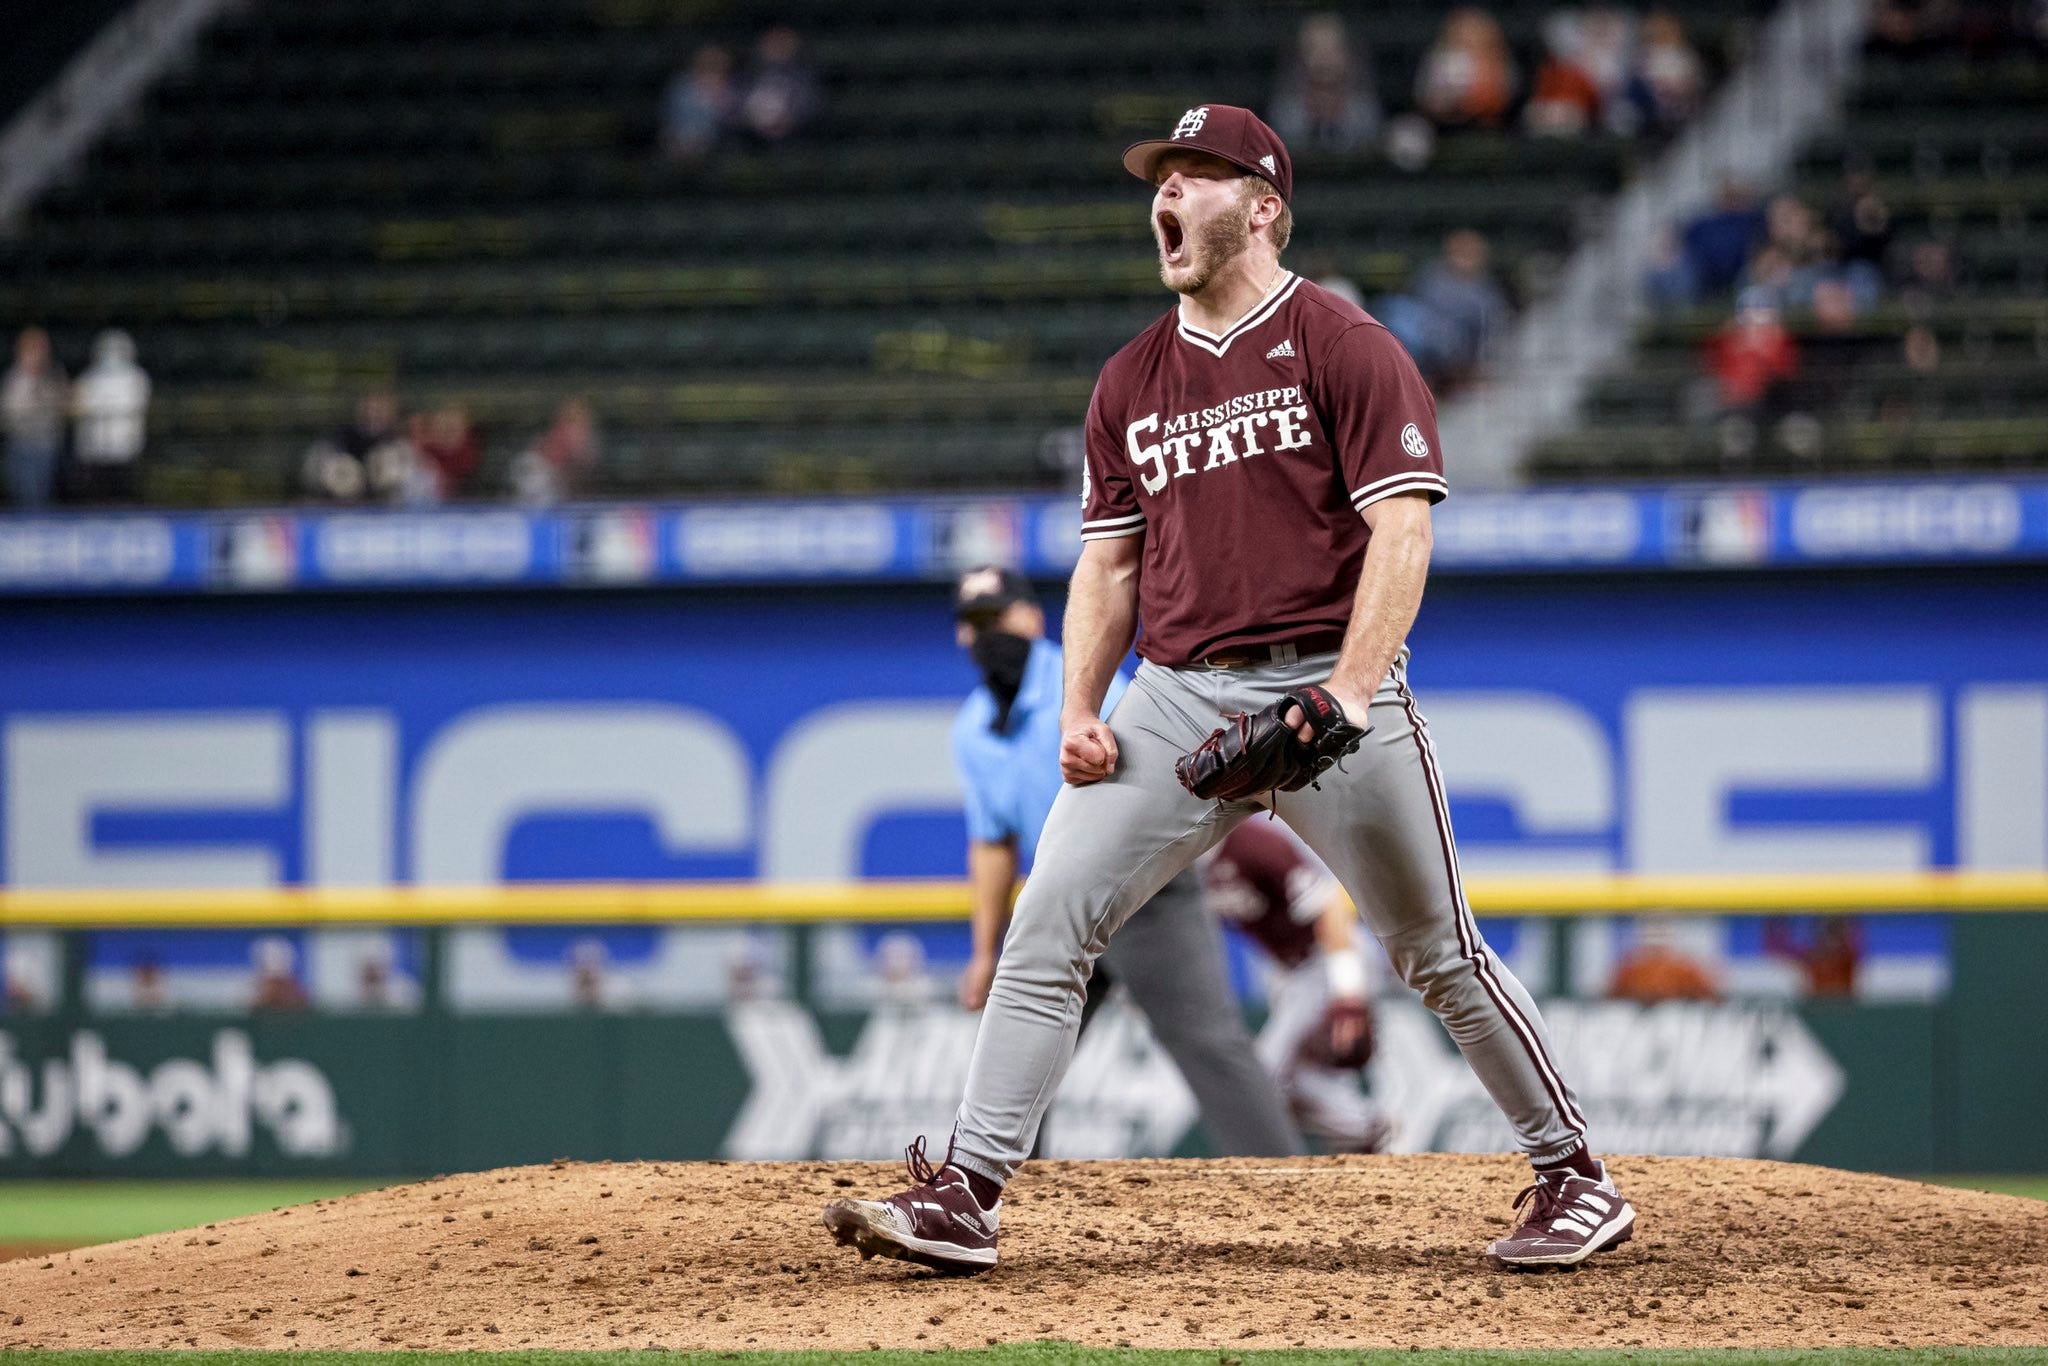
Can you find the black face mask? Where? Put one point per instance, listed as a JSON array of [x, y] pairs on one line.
[[1001, 656]]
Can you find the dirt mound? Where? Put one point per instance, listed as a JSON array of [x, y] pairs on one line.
[[1328, 1252]]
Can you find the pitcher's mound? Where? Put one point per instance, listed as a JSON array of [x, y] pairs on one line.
[[1325, 1252]]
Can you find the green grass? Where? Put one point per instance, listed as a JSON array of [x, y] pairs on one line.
[[78, 1213], [1067, 1354], [2034, 1187]]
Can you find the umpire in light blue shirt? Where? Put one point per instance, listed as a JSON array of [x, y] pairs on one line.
[[1169, 956]]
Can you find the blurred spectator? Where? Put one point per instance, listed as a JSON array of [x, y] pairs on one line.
[[1750, 355], [1718, 242], [1863, 281], [1666, 82], [781, 89], [1771, 275], [1583, 82], [900, 966], [1829, 356], [559, 462], [379, 983], [27, 987], [1833, 346], [1327, 100], [448, 450], [1829, 955], [588, 960], [1343, 286], [1799, 255], [1607, 54], [373, 981], [370, 457], [1921, 349], [1930, 277], [1454, 317], [1657, 969], [277, 985], [1862, 223], [1467, 76], [1789, 227], [1411, 142], [1670, 281], [1323, 268], [744, 980], [700, 105], [150, 987], [111, 404], [33, 399], [1564, 101]]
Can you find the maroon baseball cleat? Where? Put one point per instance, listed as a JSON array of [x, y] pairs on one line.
[[1571, 1219], [936, 1223]]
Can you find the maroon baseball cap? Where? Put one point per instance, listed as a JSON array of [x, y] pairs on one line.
[[1237, 135]]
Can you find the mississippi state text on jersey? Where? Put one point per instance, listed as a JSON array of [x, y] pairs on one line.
[[1245, 460]]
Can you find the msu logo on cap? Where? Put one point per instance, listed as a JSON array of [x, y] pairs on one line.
[[1191, 123]]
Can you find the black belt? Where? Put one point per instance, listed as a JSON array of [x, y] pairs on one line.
[[1281, 652]]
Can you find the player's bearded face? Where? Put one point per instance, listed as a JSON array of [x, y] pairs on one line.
[[1196, 241]]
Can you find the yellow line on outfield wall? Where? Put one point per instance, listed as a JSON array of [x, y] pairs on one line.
[[612, 903]]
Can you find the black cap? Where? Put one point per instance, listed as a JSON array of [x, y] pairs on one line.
[[987, 589]]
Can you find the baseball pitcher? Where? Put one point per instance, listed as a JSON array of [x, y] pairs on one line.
[[1261, 464]]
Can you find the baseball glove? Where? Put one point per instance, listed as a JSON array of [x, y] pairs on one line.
[[1259, 752], [1342, 1038]]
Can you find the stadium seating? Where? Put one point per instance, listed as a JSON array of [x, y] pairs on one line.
[[1940, 377], [464, 198]]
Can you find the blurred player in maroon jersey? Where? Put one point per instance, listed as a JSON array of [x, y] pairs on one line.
[[1319, 1034]]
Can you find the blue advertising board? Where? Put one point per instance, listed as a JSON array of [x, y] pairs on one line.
[[902, 540], [1878, 721]]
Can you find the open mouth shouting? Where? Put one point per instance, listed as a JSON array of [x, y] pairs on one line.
[[1173, 238]]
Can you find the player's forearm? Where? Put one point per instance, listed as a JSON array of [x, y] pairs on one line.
[[992, 882], [1388, 597], [1101, 620], [1335, 926], [1343, 959]]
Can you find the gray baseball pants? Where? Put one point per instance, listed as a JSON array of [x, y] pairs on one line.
[[1380, 822], [1169, 956]]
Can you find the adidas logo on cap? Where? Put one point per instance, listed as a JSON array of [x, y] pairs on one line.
[[1283, 351], [1268, 162]]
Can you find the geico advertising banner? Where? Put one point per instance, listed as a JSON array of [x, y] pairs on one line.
[[1718, 723]]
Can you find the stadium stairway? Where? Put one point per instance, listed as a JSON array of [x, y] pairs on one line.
[[1945, 376]]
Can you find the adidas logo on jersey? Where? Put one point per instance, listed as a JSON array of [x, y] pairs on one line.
[[1284, 351]]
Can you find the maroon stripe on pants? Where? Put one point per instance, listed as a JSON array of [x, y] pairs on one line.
[[1469, 945]]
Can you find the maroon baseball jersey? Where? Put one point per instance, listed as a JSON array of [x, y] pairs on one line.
[[1245, 459], [1263, 882]]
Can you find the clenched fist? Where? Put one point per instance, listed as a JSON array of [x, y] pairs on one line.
[[1087, 752]]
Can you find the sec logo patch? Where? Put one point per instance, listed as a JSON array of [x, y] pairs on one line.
[[1412, 442]]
